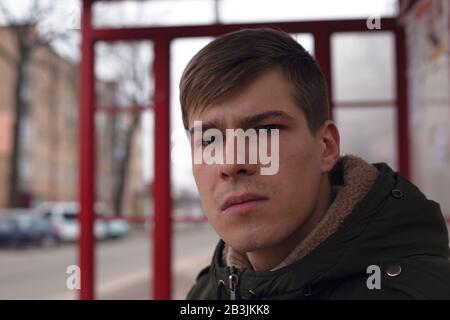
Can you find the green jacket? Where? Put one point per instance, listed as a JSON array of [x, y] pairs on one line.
[[394, 227]]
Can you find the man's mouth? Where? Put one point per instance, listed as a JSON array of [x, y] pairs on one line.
[[242, 203]]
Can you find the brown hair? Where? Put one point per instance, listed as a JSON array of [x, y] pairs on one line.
[[233, 60]]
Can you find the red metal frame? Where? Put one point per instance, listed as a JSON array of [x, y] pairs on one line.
[[161, 36], [403, 143], [129, 109], [322, 52], [161, 192], [87, 156]]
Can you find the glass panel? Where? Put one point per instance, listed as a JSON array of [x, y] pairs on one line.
[[193, 242], [186, 12], [150, 13], [306, 40], [368, 132], [296, 10], [363, 66], [182, 51], [124, 168]]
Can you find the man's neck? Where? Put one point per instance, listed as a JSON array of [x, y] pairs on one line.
[[268, 258]]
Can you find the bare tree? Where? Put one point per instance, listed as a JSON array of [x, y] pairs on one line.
[[134, 69], [27, 38]]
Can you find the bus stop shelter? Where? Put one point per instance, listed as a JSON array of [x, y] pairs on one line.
[[161, 37]]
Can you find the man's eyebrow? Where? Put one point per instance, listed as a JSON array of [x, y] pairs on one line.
[[249, 121], [205, 125]]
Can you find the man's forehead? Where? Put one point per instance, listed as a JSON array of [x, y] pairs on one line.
[[270, 90]]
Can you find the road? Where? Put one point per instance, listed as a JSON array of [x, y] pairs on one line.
[[123, 266]]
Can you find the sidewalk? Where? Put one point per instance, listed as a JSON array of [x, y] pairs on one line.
[[185, 269]]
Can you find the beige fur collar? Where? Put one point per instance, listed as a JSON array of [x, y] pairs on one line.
[[351, 179]]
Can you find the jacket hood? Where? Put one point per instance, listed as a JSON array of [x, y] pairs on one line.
[[392, 220]]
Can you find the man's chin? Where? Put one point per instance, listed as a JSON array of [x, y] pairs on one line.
[[246, 244]]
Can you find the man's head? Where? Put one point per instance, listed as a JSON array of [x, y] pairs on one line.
[[230, 62], [262, 78]]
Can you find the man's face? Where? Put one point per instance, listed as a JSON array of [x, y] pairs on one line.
[[281, 202]]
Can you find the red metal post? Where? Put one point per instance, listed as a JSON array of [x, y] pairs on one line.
[[403, 143], [315, 27], [162, 249], [322, 52], [86, 145]]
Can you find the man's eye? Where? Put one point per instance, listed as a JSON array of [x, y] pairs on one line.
[[208, 140], [269, 127]]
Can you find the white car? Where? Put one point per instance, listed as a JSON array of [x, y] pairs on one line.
[[63, 217], [118, 228]]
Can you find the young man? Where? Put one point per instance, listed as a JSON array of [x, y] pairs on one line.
[[320, 226]]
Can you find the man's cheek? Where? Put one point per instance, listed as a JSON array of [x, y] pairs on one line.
[[206, 198], [200, 179]]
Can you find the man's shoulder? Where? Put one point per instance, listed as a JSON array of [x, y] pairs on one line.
[[419, 277], [203, 274], [202, 289], [425, 277]]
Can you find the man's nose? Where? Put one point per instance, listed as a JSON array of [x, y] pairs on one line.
[[233, 171], [238, 163]]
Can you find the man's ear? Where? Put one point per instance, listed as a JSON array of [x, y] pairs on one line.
[[329, 144]]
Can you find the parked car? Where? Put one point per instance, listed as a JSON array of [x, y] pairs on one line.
[[117, 228], [6, 229], [63, 217], [21, 227]]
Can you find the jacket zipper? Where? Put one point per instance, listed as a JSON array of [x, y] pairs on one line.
[[233, 279]]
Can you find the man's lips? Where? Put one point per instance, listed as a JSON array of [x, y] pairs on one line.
[[241, 199]]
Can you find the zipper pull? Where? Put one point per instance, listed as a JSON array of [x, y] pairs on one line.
[[233, 280]]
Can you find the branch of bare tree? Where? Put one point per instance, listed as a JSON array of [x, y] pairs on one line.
[[49, 37], [9, 19]]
